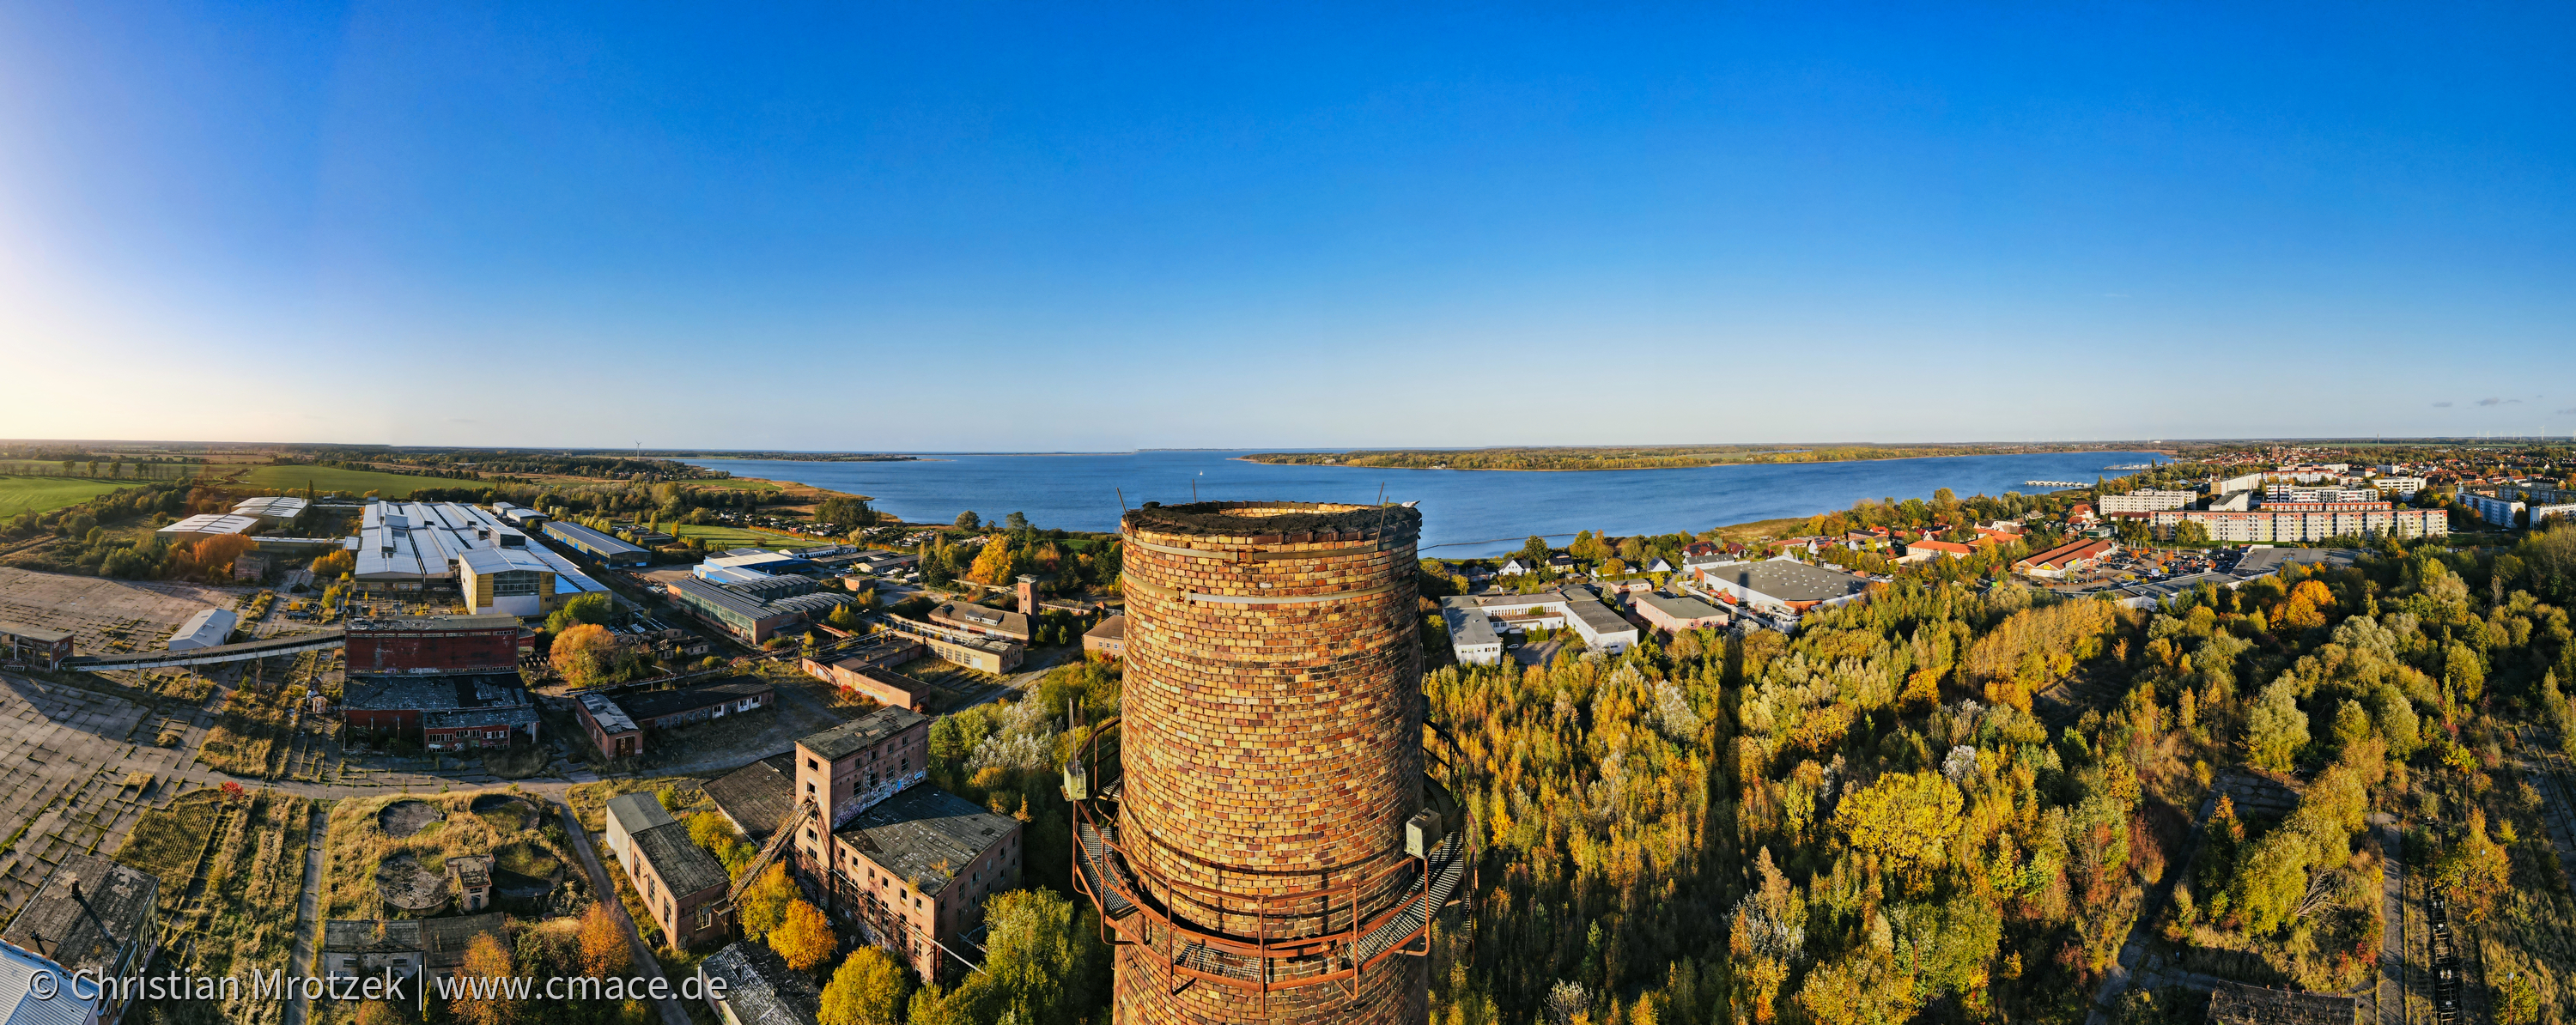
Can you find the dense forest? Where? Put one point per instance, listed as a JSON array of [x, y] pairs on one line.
[[1953, 804]]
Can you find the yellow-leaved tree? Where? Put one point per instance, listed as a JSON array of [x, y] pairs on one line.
[[993, 565], [764, 906], [1904, 819], [804, 937]]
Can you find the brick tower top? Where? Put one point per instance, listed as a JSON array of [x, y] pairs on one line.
[[1271, 760]]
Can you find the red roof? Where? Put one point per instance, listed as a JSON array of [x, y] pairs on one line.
[[2070, 552], [1940, 546]]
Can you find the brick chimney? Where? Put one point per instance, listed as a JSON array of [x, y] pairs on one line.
[[1028, 595]]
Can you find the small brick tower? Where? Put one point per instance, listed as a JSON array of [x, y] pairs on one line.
[[1265, 854], [1028, 595]]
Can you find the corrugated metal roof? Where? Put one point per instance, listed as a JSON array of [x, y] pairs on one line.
[[18, 972]]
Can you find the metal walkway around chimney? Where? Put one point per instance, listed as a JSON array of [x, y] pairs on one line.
[[322, 640], [1450, 868], [1113, 902]]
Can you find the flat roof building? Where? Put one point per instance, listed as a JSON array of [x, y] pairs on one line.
[[1472, 639], [34, 645], [752, 617], [917, 867], [205, 525], [270, 511], [1779, 587], [611, 730], [431, 645], [1675, 614], [759, 988], [92, 917], [2147, 501], [608, 550]]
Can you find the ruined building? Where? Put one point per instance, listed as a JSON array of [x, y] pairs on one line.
[[1264, 845]]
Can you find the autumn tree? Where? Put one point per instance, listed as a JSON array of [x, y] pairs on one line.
[[583, 653], [868, 989], [804, 937], [1905, 819], [993, 565], [604, 951], [331, 566], [2474, 871], [485, 958], [764, 905]]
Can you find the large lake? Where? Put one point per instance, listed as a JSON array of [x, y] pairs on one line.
[[1464, 512]]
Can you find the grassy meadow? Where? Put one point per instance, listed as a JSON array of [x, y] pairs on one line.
[[291, 480], [46, 494]]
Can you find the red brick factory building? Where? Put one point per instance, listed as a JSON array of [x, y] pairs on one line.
[[1266, 846]]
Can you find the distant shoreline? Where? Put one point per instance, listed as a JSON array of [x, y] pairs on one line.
[[1702, 466]]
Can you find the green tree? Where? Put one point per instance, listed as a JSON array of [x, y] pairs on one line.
[[969, 520], [594, 608], [2275, 728], [868, 989], [1015, 522], [2462, 673], [1044, 965]]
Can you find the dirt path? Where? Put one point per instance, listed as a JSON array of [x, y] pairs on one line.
[[2133, 950], [605, 889], [308, 914]]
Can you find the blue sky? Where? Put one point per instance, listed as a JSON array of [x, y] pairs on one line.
[[962, 227]]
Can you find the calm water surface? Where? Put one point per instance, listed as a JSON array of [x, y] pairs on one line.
[[1464, 512]]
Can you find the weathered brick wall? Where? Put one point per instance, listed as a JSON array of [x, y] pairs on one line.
[[1271, 748]]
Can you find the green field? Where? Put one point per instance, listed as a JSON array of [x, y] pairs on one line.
[[290, 480], [46, 494], [720, 538]]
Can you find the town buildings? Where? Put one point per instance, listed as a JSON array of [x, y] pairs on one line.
[[2308, 521], [92, 917], [2071, 557], [1916, 551], [1472, 637], [2147, 501], [2512, 505], [682, 886], [1600, 628]]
